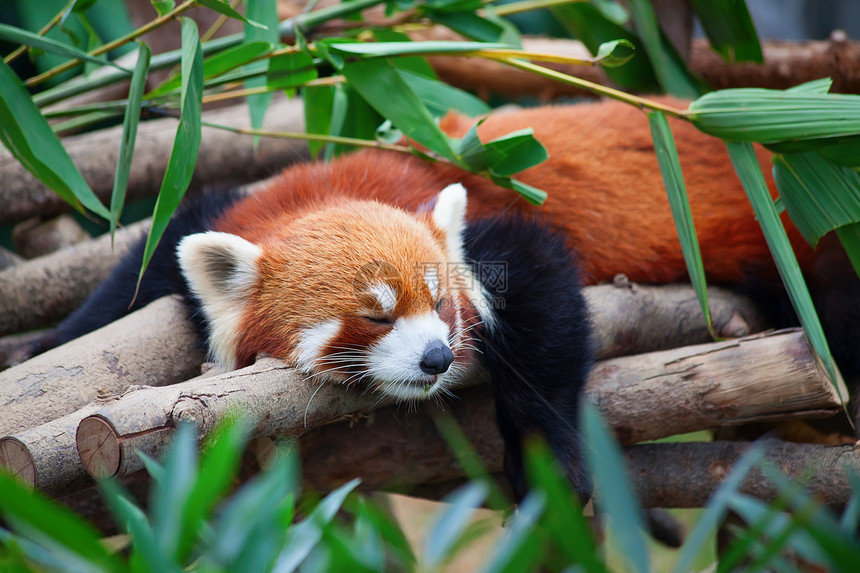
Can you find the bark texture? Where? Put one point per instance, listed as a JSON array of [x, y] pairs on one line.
[[681, 390], [224, 158], [752, 379], [413, 458], [147, 347], [630, 318], [46, 457], [33, 238], [785, 64], [273, 398], [42, 291], [685, 474]]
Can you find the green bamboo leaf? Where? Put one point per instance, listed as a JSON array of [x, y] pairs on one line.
[[818, 195], [594, 24], [318, 106], [382, 86], [129, 135], [303, 537], [518, 549], [339, 109], [531, 194], [849, 236], [248, 530], [668, 67], [730, 29], [440, 97], [840, 150], [454, 5], [290, 70], [612, 11], [186, 144], [225, 9], [19, 36], [841, 548], [451, 522], [851, 513], [746, 165], [93, 42], [469, 460], [82, 5], [265, 12], [417, 65], [562, 521], [769, 531], [162, 7], [217, 64], [29, 511], [717, 508], [673, 180], [145, 550], [615, 53], [388, 49], [170, 496], [819, 86], [486, 28], [616, 496], [26, 134], [503, 156], [771, 116], [218, 467], [514, 152]]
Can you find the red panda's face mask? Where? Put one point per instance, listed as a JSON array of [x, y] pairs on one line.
[[354, 292]]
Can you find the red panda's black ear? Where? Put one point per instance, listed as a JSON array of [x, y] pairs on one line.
[[449, 214], [220, 269]]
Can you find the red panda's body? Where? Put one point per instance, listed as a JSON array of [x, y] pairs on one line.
[[368, 268], [603, 183]]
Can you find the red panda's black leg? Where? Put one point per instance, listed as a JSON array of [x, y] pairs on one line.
[[538, 349]]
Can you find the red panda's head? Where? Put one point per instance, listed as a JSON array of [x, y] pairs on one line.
[[353, 291]]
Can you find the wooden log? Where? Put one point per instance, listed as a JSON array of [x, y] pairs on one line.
[[11, 345], [619, 312], [384, 452], [44, 290], [631, 319], [626, 318], [685, 474], [147, 347], [36, 237], [224, 157], [686, 389], [9, 259], [272, 397], [786, 64], [47, 289], [752, 379], [45, 457]]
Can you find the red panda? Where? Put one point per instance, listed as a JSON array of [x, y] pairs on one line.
[[368, 269]]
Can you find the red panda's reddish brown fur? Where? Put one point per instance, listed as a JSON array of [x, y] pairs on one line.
[[603, 183]]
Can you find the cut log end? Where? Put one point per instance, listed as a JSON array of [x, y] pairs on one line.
[[16, 459], [98, 447]]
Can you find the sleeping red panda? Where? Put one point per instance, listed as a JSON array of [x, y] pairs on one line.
[[368, 269]]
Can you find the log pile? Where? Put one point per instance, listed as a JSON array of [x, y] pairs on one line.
[[84, 409]]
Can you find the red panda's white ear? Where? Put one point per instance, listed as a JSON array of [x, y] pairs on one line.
[[449, 214], [220, 269]]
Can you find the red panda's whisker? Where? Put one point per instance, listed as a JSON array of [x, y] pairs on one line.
[[311, 400]]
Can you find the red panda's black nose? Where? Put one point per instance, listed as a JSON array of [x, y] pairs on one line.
[[437, 358]]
